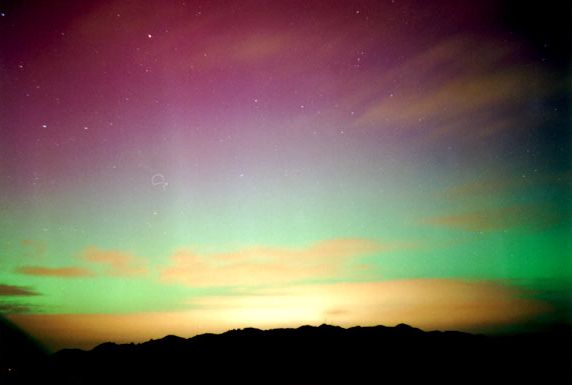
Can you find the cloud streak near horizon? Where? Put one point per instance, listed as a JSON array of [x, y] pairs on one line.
[[62, 272], [10, 290]]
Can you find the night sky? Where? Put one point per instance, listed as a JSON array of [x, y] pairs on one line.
[[178, 167]]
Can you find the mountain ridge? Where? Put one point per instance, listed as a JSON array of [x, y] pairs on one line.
[[400, 354], [247, 330]]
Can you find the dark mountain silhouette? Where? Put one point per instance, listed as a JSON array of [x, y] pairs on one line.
[[317, 355]]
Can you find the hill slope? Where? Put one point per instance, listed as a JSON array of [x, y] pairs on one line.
[[319, 355]]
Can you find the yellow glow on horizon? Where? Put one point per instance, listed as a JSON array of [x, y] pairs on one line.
[[425, 303]]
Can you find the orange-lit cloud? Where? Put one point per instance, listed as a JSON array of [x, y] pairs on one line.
[[11, 290], [117, 263], [33, 248], [269, 265], [62, 272], [502, 183], [525, 216], [425, 303]]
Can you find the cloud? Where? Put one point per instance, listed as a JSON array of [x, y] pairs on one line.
[[506, 182], [460, 85], [451, 101], [269, 265], [33, 248], [9, 290], [261, 46], [62, 272], [117, 263], [493, 185], [426, 303], [11, 308], [525, 216]]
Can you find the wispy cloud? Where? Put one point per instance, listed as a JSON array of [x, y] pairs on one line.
[[62, 272], [116, 263], [508, 186], [10, 290], [499, 183], [33, 248], [489, 219], [14, 308], [459, 86], [269, 265], [11, 296]]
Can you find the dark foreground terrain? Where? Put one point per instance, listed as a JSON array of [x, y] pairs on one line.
[[306, 355]]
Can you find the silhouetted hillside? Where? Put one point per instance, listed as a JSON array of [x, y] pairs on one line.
[[18, 351], [319, 355]]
